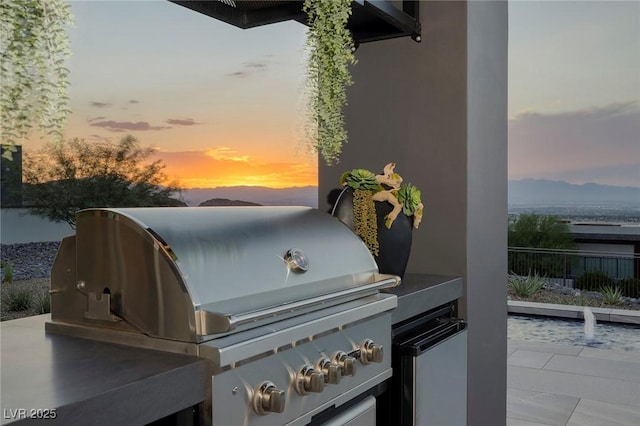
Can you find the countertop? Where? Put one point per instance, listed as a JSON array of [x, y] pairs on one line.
[[89, 382], [418, 293]]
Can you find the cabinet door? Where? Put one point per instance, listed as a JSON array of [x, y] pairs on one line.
[[440, 383]]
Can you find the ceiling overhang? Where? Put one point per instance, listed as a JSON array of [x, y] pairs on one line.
[[369, 21]]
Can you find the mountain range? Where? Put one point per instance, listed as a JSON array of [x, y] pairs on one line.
[[561, 193], [520, 192], [295, 196]]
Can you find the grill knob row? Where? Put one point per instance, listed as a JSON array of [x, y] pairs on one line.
[[268, 399]]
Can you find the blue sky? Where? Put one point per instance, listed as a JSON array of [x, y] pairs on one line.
[[224, 106]]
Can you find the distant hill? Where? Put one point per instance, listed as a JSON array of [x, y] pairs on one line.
[[295, 196], [217, 202], [551, 192]]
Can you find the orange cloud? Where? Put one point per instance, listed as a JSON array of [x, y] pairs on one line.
[[223, 166]]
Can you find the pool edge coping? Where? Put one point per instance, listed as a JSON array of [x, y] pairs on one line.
[[624, 316]]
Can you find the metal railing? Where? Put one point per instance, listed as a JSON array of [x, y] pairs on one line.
[[587, 270]]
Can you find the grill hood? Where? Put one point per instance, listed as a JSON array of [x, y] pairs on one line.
[[193, 274]]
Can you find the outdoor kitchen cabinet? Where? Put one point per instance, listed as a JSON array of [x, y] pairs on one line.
[[429, 384], [139, 331]]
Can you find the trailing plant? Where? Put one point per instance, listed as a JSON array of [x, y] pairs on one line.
[[386, 187], [611, 294], [330, 50], [17, 299], [525, 286], [34, 78]]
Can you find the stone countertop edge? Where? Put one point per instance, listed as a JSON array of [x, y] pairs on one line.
[[418, 293]]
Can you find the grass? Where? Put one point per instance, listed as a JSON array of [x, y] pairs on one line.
[[42, 303], [17, 299], [7, 272]]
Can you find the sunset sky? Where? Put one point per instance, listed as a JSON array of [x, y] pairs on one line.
[[223, 106]]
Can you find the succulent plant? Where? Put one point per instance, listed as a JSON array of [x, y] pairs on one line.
[[360, 179], [409, 196]]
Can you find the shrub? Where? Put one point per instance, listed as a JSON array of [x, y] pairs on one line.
[[611, 295], [593, 281], [525, 286], [42, 303], [7, 272], [541, 232], [17, 299], [630, 287]]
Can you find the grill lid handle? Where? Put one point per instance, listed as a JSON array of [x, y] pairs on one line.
[[215, 322]]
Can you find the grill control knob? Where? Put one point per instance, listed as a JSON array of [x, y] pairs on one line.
[[331, 371], [268, 399], [371, 352], [309, 380], [347, 363]]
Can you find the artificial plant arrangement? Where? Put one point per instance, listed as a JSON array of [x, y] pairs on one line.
[[330, 49], [369, 188], [34, 47]]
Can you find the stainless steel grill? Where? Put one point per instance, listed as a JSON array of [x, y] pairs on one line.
[[283, 301]]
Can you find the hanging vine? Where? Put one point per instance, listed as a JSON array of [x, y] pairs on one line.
[[34, 79], [329, 45]]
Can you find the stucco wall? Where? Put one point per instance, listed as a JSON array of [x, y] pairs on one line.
[[18, 226]]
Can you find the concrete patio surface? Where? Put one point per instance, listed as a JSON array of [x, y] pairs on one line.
[[549, 384]]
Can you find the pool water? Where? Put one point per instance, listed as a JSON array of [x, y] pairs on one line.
[[621, 337]]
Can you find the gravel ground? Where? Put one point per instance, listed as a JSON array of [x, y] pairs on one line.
[[31, 265]]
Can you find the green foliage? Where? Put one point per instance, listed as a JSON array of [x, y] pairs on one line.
[[539, 231], [7, 272], [33, 73], [42, 303], [360, 179], [329, 46], [64, 178], [409, 195], [611, 294], [593, 281], [630, 287], [525, 286], [17, 299]]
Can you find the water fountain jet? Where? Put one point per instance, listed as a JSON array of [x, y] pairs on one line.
[[589, 323]]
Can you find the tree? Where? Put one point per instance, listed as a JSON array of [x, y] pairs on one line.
[[538, 232], [61, 179]]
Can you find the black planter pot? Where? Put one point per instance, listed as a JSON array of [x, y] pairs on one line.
[[395, 243]]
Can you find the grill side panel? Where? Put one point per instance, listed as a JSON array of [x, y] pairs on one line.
[[121, 272]]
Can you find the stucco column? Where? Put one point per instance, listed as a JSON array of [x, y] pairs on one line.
[[439, 110]]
